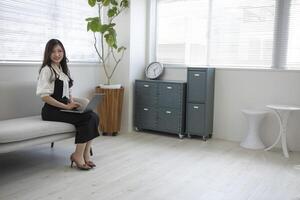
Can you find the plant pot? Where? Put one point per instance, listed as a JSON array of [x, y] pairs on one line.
[[110, 110]]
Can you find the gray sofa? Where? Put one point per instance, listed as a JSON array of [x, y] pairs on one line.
[[20, 120]]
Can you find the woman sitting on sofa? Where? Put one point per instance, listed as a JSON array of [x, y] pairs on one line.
[[54, 87]]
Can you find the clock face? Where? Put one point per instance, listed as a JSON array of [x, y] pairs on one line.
[[154, 70]]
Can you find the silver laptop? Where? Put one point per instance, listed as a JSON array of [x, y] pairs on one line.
[[92, 105]]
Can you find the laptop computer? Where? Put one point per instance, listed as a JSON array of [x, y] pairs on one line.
[[97, 98]]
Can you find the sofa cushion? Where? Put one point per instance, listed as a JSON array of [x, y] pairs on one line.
[[18, 99], [20, 129]]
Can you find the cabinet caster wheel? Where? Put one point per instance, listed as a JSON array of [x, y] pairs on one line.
[[189, 136], [137, 129], [203, 138], [114, 134], [180, 136]]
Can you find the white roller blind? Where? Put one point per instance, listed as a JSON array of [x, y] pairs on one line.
[[182, 31], [242, 33], [27, 25], [293, 52]]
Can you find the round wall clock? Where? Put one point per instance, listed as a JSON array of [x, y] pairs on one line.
[[154, 70]]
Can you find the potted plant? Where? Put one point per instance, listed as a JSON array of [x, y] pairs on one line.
[[110, 56]]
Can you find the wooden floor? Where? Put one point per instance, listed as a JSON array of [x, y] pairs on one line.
[[147, 166]]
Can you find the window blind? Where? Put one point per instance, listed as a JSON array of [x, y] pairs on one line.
[[27, 25], [242, 33], [293, 52], [182, 31]]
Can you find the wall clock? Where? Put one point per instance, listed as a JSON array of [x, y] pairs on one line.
[[154, 70]]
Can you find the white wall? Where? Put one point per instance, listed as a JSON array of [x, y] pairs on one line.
[[138, 18], [236, 89], [86, 77], [131, 29]]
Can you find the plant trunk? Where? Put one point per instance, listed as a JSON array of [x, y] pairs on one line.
[[108, 81]]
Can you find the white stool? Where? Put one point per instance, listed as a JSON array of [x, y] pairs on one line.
[[252, 139], [282, 113]]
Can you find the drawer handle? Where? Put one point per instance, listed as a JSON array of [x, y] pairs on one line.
[[168, 112], [146, 85], [196, 75], [146, 109], [196, 107], [169, 88]]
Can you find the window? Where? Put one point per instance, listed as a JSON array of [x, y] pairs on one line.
[[242, 32], [293, 52], [229, 33], [27, 25], [182, 31]]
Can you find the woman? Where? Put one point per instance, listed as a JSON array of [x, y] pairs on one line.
[[54, 87]]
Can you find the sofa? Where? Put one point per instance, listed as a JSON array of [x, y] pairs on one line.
[[21, 124]]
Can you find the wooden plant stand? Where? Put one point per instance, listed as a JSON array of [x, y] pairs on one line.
[[110, 110]]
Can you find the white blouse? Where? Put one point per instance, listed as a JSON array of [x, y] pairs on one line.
[[45, 87]]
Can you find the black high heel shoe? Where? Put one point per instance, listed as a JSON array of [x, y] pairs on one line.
[[79, 166]]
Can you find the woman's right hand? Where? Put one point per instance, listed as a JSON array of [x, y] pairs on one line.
[[72, 105], [53, 102]]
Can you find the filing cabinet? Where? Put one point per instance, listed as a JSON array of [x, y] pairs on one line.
[[160, 106], [200, 102]]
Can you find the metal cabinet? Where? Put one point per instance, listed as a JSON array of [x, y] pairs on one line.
[[200, 101], [160, 106]]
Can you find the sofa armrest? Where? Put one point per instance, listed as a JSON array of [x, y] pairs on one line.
[[83, 101]]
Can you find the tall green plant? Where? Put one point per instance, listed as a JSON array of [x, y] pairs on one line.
[[104, 25]]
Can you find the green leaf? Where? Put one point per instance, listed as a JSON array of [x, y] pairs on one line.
[[111, 37], [91, 18], [103, 28], [95, 26], [109, 40], [88, 26], [112, 32], [124, 4], [92, 3], [122, 48], [114, 2], [112, 12], [106, 2]]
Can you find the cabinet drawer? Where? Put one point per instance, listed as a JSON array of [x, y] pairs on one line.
[[196, 86], [145, 117], [145, 93], [169, 120], [195, 119], [170, 95]]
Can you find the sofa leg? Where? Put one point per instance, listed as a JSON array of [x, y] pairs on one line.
[[91, 151], [52, 144]]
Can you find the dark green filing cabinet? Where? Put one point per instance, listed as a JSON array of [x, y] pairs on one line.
[[160, 106], [200, 102]]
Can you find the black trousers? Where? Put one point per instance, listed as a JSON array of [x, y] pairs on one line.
[[86, 123]]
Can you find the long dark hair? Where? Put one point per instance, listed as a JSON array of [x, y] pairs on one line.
[[63, 63]]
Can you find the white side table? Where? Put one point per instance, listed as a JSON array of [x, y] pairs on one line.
[[282, 113], [252, 139]]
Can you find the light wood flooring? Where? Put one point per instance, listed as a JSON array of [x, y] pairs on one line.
[[148, 166]]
